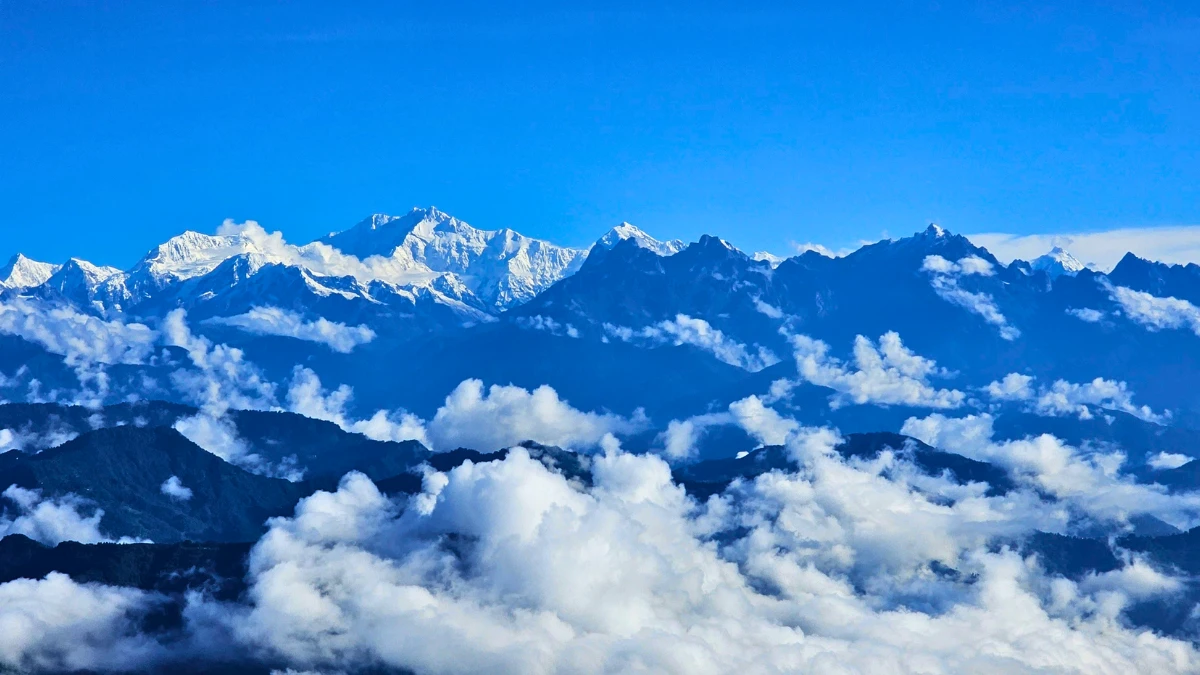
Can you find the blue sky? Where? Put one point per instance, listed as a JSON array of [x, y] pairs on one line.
[[125, 123]]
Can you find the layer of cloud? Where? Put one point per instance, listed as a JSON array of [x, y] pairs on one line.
[[1178, 245], [1155, 313], [58, 625], [887, 374], [1090, 483], [945, 276], [686, 330], [275, 321], [78, 338], [507, 566]]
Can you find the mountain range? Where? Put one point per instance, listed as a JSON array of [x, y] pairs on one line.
[[419, 405]]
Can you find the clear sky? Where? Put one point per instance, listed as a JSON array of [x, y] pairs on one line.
[[123, 123]]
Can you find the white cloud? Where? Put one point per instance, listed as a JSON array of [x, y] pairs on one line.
[[219, 436], [52, 520], [1070, 398], [28, 439], [307, 397], [275, 321], [86, 343], [889, 374], [57, 625], [506, 566], [752, 414], [1089, 483], [325, 260], [1178, 245], [175, 489], [548, 324], [1156, 313], [684, 329], [944, 277], [1086, 314], [767, 310], [1167, 460], [766, 425], [506, 415], [222, 378], [1014, 387], [79, 338]]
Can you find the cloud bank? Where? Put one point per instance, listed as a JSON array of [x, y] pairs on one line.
[[275, 321], [1178, 245]]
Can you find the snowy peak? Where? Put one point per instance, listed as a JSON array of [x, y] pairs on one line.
[[192, 254], [76, 268], [381, 234], [500, 267], [769, 258], [21, 273], [626, 231], [1057, 262]]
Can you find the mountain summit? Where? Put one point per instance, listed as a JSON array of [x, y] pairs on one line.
[[21, 273], [1057, 262], [626, 231]]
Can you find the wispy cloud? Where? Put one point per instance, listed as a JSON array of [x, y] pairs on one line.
[[1177, 245]]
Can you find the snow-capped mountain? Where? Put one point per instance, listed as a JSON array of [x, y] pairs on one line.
[[22, 272], [80, 282], [501, 267], [1056, 263], [626, 231]]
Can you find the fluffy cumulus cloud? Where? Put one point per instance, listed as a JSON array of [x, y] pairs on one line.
[[275, 321], [502, 416], [753, 414], [686, 330], [1179, 245], [175, 489], [506, 566], [51, 520], [884, 374], [945, 277], [1070, 398], [1155, 313], [307, 397]]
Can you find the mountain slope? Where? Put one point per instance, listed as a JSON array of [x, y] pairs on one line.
[[122, 470]]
